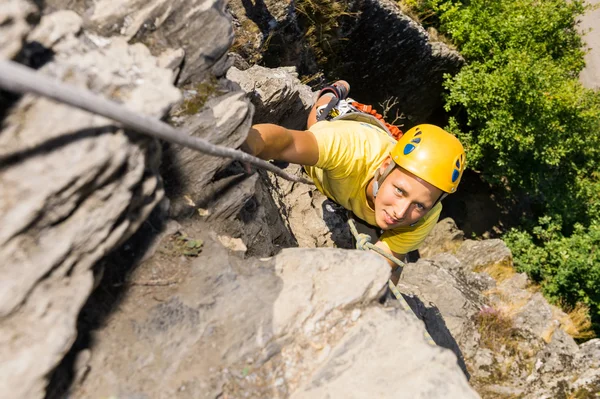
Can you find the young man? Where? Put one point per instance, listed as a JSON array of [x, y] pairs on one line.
[[394, 185]]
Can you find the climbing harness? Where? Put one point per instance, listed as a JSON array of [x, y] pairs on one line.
[[349, 109], [20, 79], [363, 242]]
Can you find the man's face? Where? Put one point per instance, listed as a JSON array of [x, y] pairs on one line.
[[403, 199]]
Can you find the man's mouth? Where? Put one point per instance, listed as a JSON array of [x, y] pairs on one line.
[[389, 220]]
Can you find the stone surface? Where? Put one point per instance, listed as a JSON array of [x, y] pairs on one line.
[[314, 220], [535, 316], [590, 76], [512, 339], [200, 27], [14, 25], [380, 341], [223, 120], [477, 255], [390, 55], [382, 52], [55, 27], [445, 237], [296, 324], [277, 94], [74, 186]]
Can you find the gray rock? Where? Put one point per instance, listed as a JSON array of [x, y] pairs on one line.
[[56, 27], [266, 328], [277, 94], [535, 316], [476, 255], [313, 220], [390, 55], [589, 354], [224, 120], [74, 187], [380, 341], [552, 376], [200, 27], [14, 25], [457, 301], [483, 362], [445, 237], [444, 302]]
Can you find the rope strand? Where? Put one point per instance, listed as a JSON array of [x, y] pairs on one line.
[[20, 79]]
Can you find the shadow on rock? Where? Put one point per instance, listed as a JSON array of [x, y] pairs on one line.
[[434, 323], [336, 219], [111, 275]]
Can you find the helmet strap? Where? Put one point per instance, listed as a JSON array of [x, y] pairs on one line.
[[444, 195]]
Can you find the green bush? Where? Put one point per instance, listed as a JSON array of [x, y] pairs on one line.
[[525, 119], [528, 125], [568, 268]]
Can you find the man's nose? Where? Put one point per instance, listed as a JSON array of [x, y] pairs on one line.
[[400, 209]]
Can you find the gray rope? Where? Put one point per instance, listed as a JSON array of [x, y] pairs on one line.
[[363, 242], [20, 79]]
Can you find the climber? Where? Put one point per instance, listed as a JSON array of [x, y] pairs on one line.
[[393, 186]]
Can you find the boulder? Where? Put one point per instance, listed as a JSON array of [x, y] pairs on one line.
[[477, 255], [277, 94], [445, 237], [189, 175]]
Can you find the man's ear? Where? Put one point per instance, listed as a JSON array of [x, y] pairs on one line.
[[385, 164]]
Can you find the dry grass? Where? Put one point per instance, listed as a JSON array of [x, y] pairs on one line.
[[321, 20], [496, 329], [578, 323], [204, 91], [498, 271], [547, 335], [418, 11]]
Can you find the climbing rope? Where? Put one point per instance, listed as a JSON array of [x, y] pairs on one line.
[[20, 79], [363, 242]]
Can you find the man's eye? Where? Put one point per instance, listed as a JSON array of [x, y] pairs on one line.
[[399, 191], [420, 207]]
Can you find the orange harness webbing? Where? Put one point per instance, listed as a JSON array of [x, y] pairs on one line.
[[368, 109]]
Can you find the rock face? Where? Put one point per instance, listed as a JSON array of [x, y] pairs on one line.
[[200, 27], [279, 97], [277, 94], [200, 316], [305, 323], [513, 342], [391, 55], [74, 186], [381, 51], [14, 25]]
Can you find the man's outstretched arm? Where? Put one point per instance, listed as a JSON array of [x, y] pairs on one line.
[[269, 141]]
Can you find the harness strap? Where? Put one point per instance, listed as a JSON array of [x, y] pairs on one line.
[[368, 109], [324, 112]]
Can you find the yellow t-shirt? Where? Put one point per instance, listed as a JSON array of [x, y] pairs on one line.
[[349, 154]]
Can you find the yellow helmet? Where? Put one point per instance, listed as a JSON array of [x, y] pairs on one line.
[[432, 154]]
